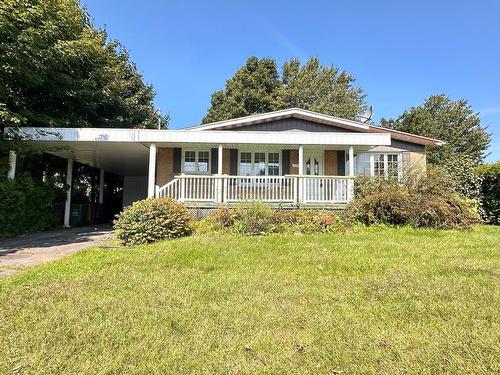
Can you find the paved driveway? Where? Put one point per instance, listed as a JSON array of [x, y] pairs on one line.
[[37, 248]]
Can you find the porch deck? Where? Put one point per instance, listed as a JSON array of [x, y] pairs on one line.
[[288, 190]]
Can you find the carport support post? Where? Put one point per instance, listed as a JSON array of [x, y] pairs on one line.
[[101, 186], [219, 174], [301, 172], [69, 184], [11, 174], [152, 170]]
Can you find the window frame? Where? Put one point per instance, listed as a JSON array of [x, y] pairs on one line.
[[196, 162], [372, 161], [266, 162]]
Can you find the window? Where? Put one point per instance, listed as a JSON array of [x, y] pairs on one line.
[[259, 164], [273, 164], [375, 164], [196, 161]]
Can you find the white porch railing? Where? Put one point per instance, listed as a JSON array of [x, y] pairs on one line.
[[276, 189]]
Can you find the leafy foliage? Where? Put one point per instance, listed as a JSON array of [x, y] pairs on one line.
[[253, 218], [58, 70], [490, 191], [452, 121], [420, 201], [25, 206], [151, 220], [258, 88]]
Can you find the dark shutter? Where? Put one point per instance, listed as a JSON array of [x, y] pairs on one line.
[[233, 162], [341, 163], [215, 160], [177, 160], [285, 162]]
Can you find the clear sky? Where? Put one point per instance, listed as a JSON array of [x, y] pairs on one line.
[[400, 51]]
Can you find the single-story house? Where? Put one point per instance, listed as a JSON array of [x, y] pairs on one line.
[[291, 156]]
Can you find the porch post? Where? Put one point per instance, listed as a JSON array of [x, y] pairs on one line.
[[351, 161], [101, 186], [11, 174], [69, 183], [152, 170], [301, 172], [219, 173]]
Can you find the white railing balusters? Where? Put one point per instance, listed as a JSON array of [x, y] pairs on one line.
[[286, 189]]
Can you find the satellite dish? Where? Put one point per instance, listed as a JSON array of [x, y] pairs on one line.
[[367, 115]]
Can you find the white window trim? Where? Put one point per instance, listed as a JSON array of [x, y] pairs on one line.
[[266, 152], [386, 162], [196, 152]]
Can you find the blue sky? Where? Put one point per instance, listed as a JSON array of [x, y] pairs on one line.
[[400, 52]]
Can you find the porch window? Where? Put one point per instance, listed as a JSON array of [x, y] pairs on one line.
[[196, 161], [259, 163], [384, 165]]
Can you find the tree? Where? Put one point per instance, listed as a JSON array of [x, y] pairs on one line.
[[253, 89], [257, 87], [58, 70], [452, 121], [321, 89]]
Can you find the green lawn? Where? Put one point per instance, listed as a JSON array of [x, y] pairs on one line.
[[377, 301]]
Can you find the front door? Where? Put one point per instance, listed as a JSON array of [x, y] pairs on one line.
[[313, 166]]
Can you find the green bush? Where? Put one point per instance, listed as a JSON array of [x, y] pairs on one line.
[[253, 218], [223, 217], [25, 206], [423, 201], [490, 191], [151, 220], [307, 221]]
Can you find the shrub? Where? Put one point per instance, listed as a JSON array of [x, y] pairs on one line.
[[490, 191], [151, 220], [254, 218], [424, 201], [307, 221], [25, 206], [223, 217]]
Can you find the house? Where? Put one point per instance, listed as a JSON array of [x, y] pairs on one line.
[[284, 157]]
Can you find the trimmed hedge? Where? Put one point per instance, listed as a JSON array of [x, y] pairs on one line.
[[25, 206], [151, 220]]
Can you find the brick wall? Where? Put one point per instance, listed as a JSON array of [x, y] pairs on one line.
[[164, 166]]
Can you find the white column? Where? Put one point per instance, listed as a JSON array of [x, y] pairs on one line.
[[11, 174], [219, 173], [69, 183], [351, 161], [301, 160], [152, 170], [101, 186], [301, 172]]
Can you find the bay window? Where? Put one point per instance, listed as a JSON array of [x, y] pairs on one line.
[[196, 161], [259, 163], [386, 165]]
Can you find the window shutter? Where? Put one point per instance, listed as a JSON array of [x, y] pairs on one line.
[[285, 162], [177, 160], [214, 162], [233, 162], [341, 163]]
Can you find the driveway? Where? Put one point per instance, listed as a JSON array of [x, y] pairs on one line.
[[38, 248]]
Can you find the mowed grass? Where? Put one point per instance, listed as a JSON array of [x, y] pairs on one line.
[[377, 301]]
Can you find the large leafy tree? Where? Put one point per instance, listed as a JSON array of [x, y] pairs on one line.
[[258, 87], [58, 70], [452, 121], [253, 89]]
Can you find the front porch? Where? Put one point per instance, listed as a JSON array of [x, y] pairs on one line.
[[287, 190]]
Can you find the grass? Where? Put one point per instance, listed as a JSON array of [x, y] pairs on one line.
[[378, 301]]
